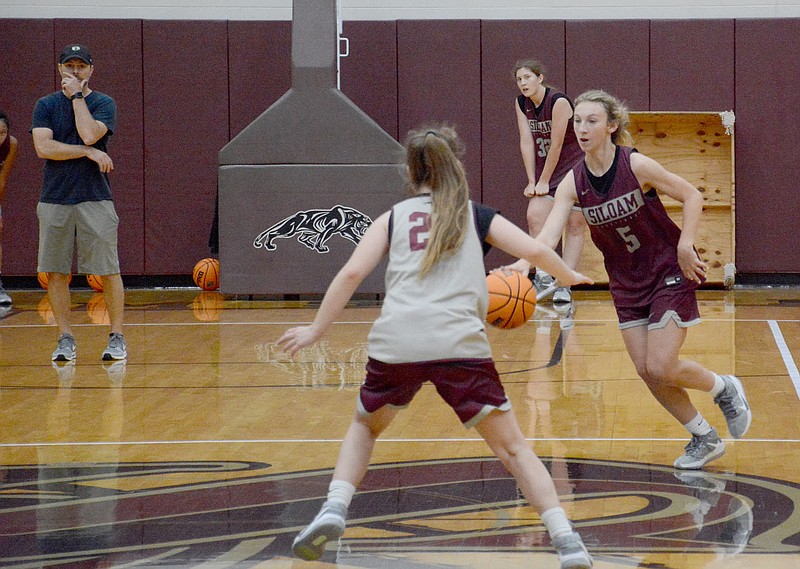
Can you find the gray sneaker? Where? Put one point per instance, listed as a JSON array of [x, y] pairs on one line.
[[4, 298], [116, 350], [327, 526], [701, 450], [541, 282], [65, 351], [562, 295], [733, 403], [572, 553]]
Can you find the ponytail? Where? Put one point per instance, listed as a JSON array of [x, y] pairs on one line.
[[433, 161]]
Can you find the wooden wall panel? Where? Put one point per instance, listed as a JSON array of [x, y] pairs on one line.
[[767, 99], [691, 65], [439, 70], [504, 42], [27, 72], [613, 55], [116, 48], [260, 68], [369, 73], [185, 125]]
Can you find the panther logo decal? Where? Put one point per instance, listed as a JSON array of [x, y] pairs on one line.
[[314, 227]]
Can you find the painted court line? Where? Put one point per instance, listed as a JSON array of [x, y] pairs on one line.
[[346, 322], [327, 441], [788, 360]]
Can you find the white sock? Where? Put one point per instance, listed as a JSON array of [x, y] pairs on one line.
[[341, 491], [719, 385], [556, 522], [698, 426]]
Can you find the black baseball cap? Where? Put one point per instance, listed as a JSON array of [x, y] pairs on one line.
[[76, 51]]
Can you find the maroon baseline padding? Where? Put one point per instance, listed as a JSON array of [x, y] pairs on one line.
[[27, 72], [260, 69], [369, 73], [691, 65], [613, 55], [185, 124], [767, 169], [439, 70]]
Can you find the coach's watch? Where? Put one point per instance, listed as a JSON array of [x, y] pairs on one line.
[[78, 95]]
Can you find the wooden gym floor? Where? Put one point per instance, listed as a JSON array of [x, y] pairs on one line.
[[208, 448]]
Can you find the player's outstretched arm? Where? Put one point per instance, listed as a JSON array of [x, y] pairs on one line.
[[504, 235], [368, 253]]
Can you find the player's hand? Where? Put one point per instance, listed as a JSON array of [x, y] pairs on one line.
[[297, 338], [542, 189], [530, 190], [692, 267], [580, 278], [520, 266], [70, 84], [575, 278], [103, 160]]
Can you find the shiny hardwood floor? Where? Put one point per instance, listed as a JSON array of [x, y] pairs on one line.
[[210, 448]]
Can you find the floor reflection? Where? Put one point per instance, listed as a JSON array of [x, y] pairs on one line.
[[108, 513]]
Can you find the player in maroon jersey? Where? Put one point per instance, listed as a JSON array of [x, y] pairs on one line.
[[549, 150], [652, 265]]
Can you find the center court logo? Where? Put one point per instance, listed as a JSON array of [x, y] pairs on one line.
[[153, 514]]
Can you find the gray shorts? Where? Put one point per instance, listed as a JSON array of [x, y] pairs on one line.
[[93, 225]]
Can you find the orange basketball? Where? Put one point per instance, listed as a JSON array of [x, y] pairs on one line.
[[206, 274], [512, 299], [42, 277], [95, 282]]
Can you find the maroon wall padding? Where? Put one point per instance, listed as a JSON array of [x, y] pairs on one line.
[[166, 165], [260, 64], [503, 42], [116, 47], [27, 72], [691, 65], [767, 168], [369, 73], [612, 55], [185, 125], [439, 74]]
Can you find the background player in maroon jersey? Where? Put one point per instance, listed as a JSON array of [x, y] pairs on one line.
[[549, 150], [652, 266]]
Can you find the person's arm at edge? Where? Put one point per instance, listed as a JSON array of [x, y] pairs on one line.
[[50, 149], [562, 114], [526, 148], [651, 173], [506, 236]]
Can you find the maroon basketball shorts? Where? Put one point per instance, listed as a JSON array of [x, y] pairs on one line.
[[678, 303], [471, 387]]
